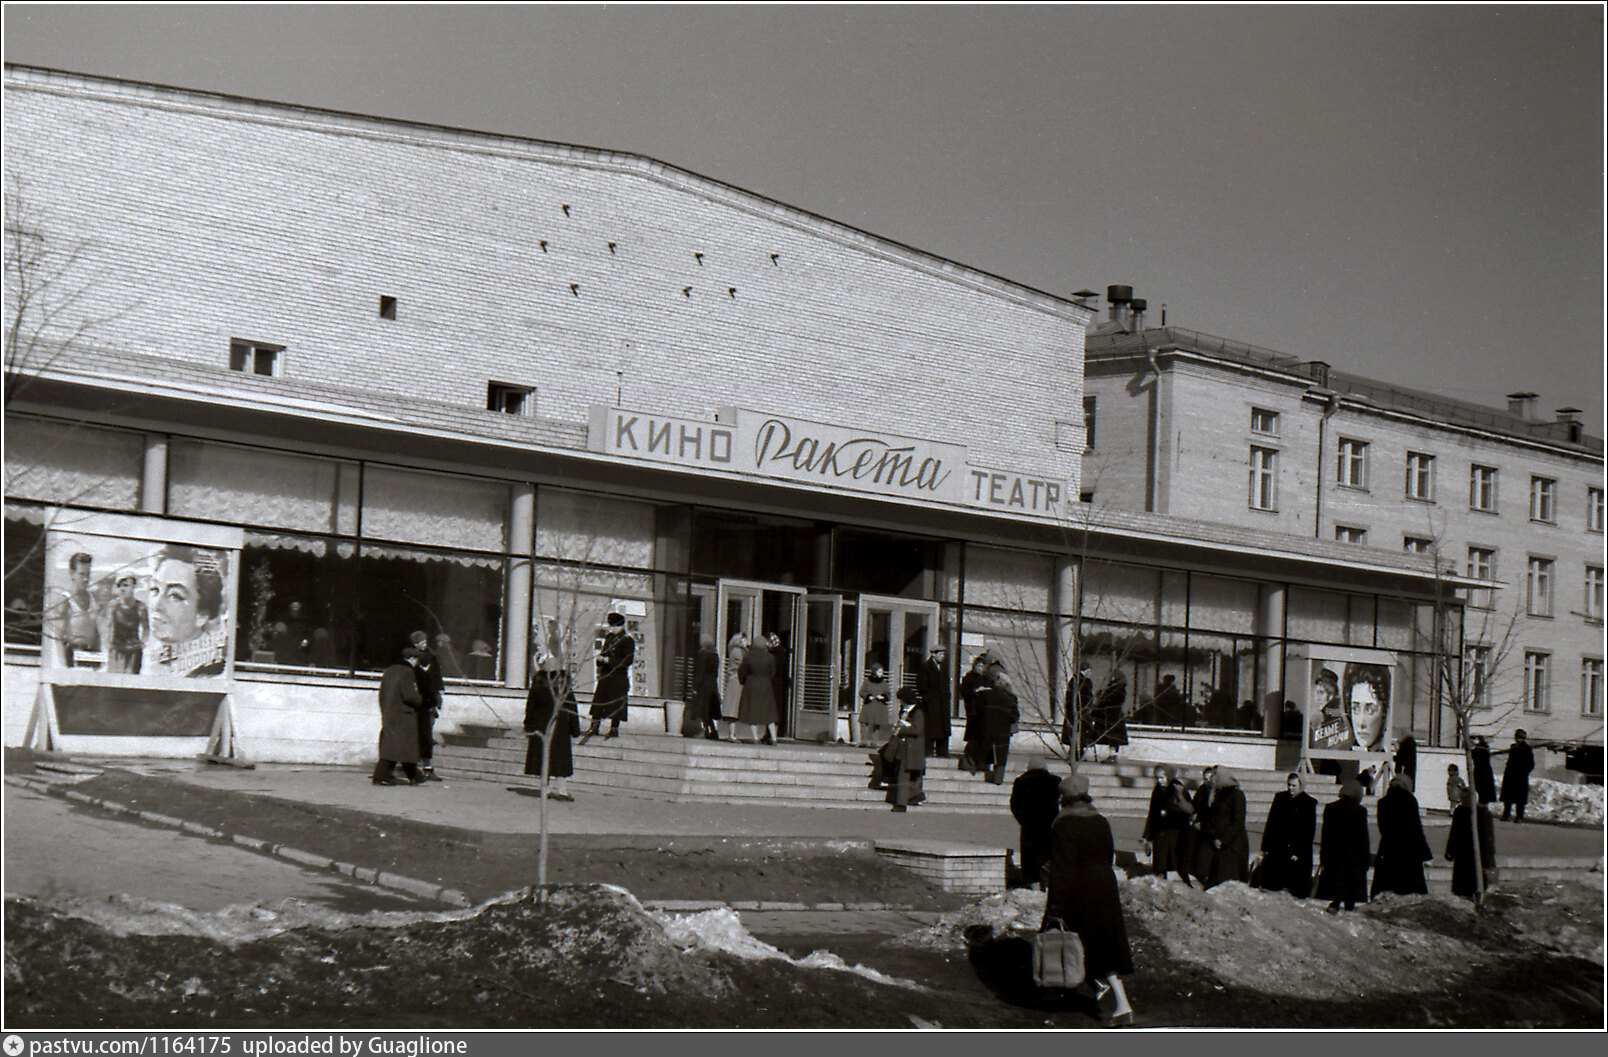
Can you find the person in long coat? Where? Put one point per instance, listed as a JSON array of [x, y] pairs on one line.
[[1516, 777], [704, 706], [551, 691], [1292, 823], [736, 650], [611, 697], [1481, 774], [432, 688], [932, 683], [1460, 848], [1083, 892], [1406, 758], [1000, 713], [973, 754], [1343, 850], [1166, 823], [1110, 728], [757, 705], [1197, 843], [1403, 851], [781, 682], [906, 752], [1225, 830], [1035, 801], [1075, 709], [399, 724], [876, 712]]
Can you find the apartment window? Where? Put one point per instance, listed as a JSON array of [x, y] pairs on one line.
[[1482, 488], [1089, 405], [253, 357], [1594, 592], [1351, 469], [1477, 675], [1417, 544], [1481, 566], [1593, 509], [1591, 686], [1538, 587], [387, 307], [1264, 478], [1537, 681], [1543, 499], [510, 399], [1263, 421], [1350, 534], [1420, 476]]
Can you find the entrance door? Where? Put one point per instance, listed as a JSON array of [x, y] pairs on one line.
[[896, 633], [755, 610], [820, 671]]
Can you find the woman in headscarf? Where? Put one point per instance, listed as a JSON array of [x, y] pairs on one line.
[[550, 693], [1483, 777], [704, 707], [1292, 822], [1343, 852], [1225, 829], [1403, 851], [1165, 824], [736, 650], [1460, 848], [1083, 894], [973, 754], [757, 705]]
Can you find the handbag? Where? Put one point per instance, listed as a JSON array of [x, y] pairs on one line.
[[1057, 956]]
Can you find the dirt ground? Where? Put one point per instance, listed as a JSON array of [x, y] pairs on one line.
[[592, 957]]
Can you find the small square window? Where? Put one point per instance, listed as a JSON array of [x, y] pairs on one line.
[[254, 357], [387, 307], [1417, 544], [1350, 534], [510, 399], [1264, 421]]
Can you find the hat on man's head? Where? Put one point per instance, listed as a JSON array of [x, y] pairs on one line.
[[410, 653], [1073, 787], [616, 620], [419, 638]]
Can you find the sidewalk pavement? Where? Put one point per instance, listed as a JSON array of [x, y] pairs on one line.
[[494, 807]]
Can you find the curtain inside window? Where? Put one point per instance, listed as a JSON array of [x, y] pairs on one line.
[[434, 509], [72, 463], [594, 529], [1007, 579], [250, 486]]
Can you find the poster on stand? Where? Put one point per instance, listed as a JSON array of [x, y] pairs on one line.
[[1347, 698]]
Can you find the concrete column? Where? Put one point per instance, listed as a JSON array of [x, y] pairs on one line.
[[1270, 624], [153, 482], [1064, 621], [516, 620]]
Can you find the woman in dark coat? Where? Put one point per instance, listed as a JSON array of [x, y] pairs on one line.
[[1035, 801], [907, 752], [1000, 713], [550, 691], [1343, 853], [704, 707], [1516, 776], [1406, 759], [1083, 891], [757, 707], [1403, 851], [612, 696], [1292, 822], [1460, 848], [1197, 844], [1484, 778], [1166, 823], [1225, 829], [400, 701], [973, 755]]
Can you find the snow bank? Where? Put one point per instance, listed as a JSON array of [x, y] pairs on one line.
[[1560, 802], [721, 929]]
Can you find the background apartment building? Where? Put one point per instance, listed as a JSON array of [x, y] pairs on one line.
[[1189, 424]]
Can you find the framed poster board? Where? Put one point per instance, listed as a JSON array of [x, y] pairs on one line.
[[1347, 700]]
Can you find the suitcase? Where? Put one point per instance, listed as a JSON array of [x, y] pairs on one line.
[[1057, 956]]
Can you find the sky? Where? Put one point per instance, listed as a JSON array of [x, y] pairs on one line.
[[1412, 193]]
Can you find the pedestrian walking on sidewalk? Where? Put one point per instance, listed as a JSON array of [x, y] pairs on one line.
[[1343, 850], [1292, 822], [1403, 850], [906, 753], [611, 697], [1516, 778], [399, 724], [1083, 894], [432, 690], [1035, 801], [1197, 842], [551, 692]]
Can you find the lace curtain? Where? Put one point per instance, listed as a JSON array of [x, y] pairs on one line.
[[1003, 579], [597, 530], [250, 486], [434, 509], [73, 464]]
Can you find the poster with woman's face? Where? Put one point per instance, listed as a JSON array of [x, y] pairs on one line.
[[137, 606], [1348, 707]]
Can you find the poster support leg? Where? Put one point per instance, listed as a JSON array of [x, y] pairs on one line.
[[43, 734], [223, 746]]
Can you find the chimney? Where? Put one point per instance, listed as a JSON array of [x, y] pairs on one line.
[[1569, 417], [1137, 305], [1522, 405], [1318, 371], [1119, 296]]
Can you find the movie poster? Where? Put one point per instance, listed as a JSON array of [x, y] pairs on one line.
[[139, 597], [1348, 702]]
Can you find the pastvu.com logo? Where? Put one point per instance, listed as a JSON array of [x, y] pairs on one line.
[[13, 1045]]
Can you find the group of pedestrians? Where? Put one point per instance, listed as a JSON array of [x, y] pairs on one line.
[[410, 700], [1199, 834], [989, 698], [755, 684]]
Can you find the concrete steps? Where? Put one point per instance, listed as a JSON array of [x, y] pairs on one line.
[[693, 770]]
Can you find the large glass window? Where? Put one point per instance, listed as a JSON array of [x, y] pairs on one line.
[[73, 464], [24, 574], [891, 565], [434, 509], [753, 547], [269, 489]]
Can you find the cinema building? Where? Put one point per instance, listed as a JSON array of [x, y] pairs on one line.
[[391, 376]]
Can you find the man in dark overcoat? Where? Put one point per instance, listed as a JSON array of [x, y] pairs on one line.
[[1000, 713], [906, 752], [1343, 849], [551, 700], [1076, 707], [432, 688], [399, 727], [932, 683], [611, 695], [1292, 822], [1480, 763], [1035, 801], [1516, 778], [1403, 851], [1406, 758]]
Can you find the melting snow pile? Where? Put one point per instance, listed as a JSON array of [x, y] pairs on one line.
[[1559, 802], [721, 929]]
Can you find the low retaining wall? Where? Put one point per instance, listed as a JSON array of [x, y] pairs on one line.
[[967, 869]]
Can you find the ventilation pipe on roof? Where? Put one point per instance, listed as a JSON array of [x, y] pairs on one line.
[[1569, 417], [1522, 405], [1119, 297]]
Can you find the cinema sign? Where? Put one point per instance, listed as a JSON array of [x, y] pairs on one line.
[[758, 444]]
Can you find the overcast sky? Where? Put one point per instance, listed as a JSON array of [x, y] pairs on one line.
[[1412, 193]]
